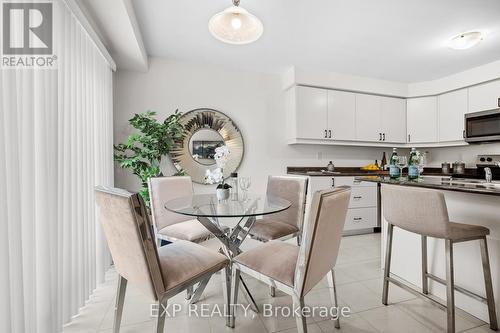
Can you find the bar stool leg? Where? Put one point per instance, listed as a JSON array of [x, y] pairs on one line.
[[425, 281], [488, 285], [387, 265], [450, 286]]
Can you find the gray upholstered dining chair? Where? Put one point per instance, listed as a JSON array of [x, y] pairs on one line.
[[288, 223], [168, 225], [424, 212], [297, 269], [160, 273]]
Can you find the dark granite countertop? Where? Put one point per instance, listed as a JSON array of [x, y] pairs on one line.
[[356, 171], [445, 184]]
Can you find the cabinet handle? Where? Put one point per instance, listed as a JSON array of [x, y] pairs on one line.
[[499, 102], [463, 134], [357, 219], [409, 138], [326, 134], [333, 182], [356, 181], [380, 137], [357, 197], [384, 137], [329, 134]]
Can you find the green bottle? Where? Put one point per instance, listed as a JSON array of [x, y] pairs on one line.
[[413, 165], [393, 165]]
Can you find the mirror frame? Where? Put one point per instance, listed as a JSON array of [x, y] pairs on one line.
[[205, 118]]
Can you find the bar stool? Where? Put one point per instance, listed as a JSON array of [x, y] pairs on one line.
[[424, 212]]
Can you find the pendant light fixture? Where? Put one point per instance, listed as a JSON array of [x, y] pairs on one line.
[[235, 25]]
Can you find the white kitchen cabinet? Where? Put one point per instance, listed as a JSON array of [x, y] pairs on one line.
[[452, 108], [422, 118], [311, 113], [368, 118], [341, 115], [380, 119], [393, 119], [484, 96], [362, 213]]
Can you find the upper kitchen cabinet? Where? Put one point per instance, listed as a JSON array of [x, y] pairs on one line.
[[368, 116], [484, 96], [422, 119], [341, 115], [393, 119], [380, 119], [452, 108], [311, 113]]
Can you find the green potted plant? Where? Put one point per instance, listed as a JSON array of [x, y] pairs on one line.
[[143, 151]]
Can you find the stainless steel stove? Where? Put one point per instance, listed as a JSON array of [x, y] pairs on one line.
[[491, 161]]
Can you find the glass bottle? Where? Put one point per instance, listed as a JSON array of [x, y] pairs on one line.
[[233, 182], [393, 165], [413, 165], [383, 164]]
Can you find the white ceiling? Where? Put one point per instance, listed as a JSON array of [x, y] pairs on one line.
[[398, 40]]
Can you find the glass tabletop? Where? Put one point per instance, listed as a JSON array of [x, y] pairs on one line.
[[207, 205]]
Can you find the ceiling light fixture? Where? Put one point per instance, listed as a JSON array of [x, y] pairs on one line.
[[465, 40], [235, 25]]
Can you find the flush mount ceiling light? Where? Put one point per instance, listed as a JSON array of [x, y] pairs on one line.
[[465, 40], [235, 25]]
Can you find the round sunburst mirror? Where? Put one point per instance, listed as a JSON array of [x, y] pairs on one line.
[[205, 130]]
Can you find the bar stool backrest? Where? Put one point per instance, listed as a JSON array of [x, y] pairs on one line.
[[128, 232], [321, 237], [163, 189], [293, 189], [417, 210]]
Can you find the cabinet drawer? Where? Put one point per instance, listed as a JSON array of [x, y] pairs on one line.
[[352, 182], [361, 218], [363, 197]]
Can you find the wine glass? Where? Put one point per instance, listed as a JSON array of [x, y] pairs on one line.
[[402, 163], [245, 183], [420, 164]]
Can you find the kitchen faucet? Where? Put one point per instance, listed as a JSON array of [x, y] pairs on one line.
[[487, 171]]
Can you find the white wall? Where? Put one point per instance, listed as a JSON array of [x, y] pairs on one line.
[[253, 100]]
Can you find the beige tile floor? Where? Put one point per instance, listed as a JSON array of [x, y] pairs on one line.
[[359, 280]]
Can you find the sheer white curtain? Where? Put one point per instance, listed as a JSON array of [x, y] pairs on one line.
[[55, 146]]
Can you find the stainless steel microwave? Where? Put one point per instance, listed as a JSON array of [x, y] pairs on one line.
[[482, 126]]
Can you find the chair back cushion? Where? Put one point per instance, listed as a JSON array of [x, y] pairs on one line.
[[321, 237], [417, 210], [293, 189], [163, 189], [128, 232]]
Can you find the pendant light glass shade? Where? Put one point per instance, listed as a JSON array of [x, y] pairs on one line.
[[235, 25]]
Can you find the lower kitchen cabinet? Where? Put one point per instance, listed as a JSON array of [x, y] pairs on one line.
[[363, 206]]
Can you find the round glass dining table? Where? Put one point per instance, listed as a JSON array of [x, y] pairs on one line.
[[208, 210]]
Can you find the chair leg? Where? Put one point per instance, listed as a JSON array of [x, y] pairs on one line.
[[199, 291], [160, 321], [333, 294], [226, 288], [387, 265], [298, 302], [272, 291], [120, 298], [488, 284], [450, 287], [189, 292], [425, 280], [235, 285]]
